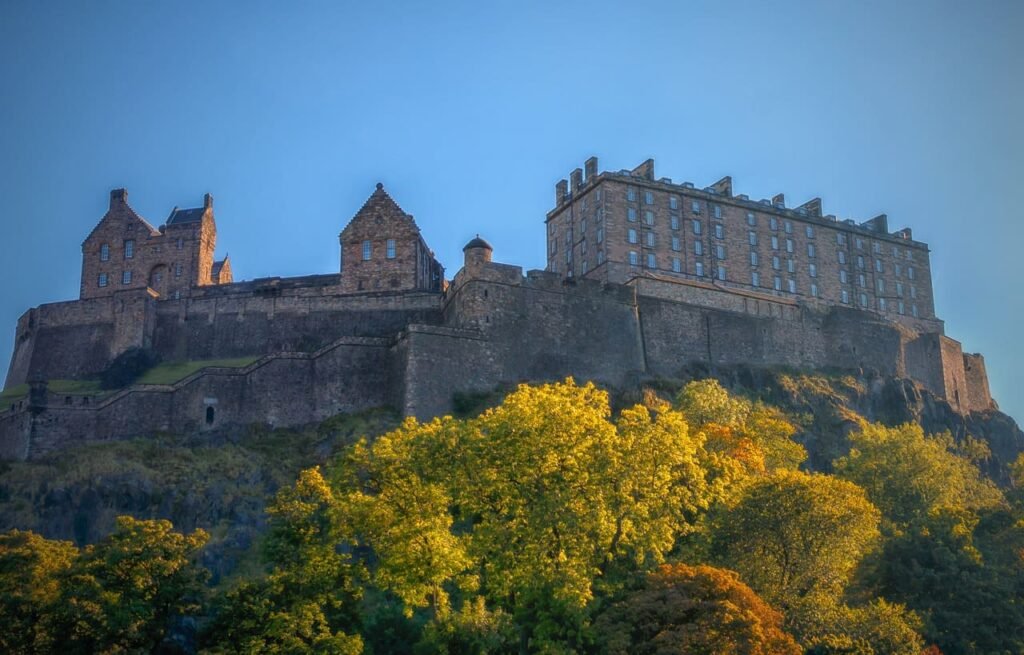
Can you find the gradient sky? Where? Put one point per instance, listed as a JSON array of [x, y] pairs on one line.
[[289, 113]]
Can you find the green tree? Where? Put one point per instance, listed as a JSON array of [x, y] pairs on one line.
[[120, 594], [694, 611], [307, 604], [30, 572], [792, 535]]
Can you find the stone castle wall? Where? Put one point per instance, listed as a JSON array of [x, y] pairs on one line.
[[414, 351]]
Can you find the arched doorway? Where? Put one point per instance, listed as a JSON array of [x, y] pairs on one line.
[[158, 279]]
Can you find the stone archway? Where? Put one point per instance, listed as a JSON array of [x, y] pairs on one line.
[[158, 279]]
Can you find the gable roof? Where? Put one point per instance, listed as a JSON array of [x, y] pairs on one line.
[[380, 204], [119, 207]]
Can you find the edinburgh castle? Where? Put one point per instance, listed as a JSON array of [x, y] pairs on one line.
[[645, 277]]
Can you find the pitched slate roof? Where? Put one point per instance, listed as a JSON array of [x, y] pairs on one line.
[[179, 216], [380, 203], [217, 266]]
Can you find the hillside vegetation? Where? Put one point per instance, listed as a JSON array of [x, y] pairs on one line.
[[815, 515]]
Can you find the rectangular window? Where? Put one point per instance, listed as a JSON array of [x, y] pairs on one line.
[[583, 249], [600, 235], [777, 283], [791, 266], [755, 279], [910, 255], [721, 273], [789, 227], [860, 243], [789, 245], [878, 266], [811, 252], [698, 247], [367, 250], [102, 281], [632, 236], [910, 272], [718, 211], [899, 289], [699, 268], [180, 243], [897, 269], [650, 260], [842, 256], [634, 258], [583, 225], [695, 206], [861, 280], [845, 296], [775, 242], [649, 217], [812, 270], [913, 310], [177, 270], [696, 227], [880, 283], [863, 300], [391, 249], [752, 238], [776, 262], [600, 257], [860, 262], [877, 248], [792, 286], [675, 244], [809, 230], [129, 249], [104, 253], [913, 291], [631, 215], [814, 290], [650, 239], [881, 304], [630, 194], [648, 198], [677, 266], [753, 258], [719, 231], [673, 202], [126, 277], [675, 222], [842, 277], [901, 308], [720, 251], [751, 219], [773, 223]]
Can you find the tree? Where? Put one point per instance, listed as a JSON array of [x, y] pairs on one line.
[[308, 602], [121, 593], [908, 476], [30, 571], [795, 534], [693, 611]]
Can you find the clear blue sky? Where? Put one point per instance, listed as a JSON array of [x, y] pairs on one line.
[[470, 112]]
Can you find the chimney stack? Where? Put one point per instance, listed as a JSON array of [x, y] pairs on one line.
[[779, 201], [118, 197], [561, 191], [576, 180], [590, 168], [207, 201]]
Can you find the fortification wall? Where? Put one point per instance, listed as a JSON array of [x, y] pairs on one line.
[[978, 395], [15, 426]]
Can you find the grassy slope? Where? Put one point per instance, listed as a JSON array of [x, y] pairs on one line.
[[171, 372]]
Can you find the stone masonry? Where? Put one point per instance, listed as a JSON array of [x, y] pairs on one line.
[[388, 329]]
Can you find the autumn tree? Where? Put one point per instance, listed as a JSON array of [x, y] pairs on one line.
[[689, 610], [30, 572]]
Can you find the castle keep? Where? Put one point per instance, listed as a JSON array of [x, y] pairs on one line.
[[644, 278]]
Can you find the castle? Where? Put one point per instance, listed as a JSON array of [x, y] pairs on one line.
[[644, 278]]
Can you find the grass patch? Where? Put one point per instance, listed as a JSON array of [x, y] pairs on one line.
[[171, 372], [10, 396], [79, 387]]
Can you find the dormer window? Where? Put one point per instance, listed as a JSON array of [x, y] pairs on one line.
[[367, 251], [129, 248], [104, 252]]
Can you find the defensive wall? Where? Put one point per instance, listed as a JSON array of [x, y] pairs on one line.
[[325, 352]]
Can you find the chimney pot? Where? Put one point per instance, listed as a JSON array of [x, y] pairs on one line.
[[118, 196]]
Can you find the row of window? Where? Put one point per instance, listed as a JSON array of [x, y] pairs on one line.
[[389, 249], [126, 276], [129, 249]]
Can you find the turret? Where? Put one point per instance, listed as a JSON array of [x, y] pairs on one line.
[[477, 253]]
